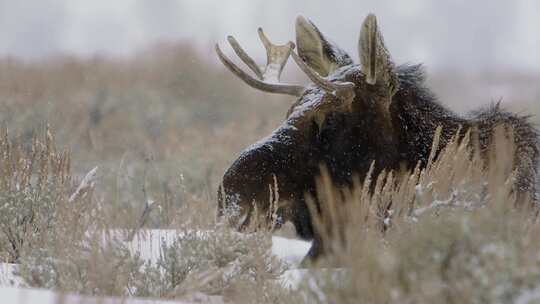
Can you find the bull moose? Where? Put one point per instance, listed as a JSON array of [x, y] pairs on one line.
[[352, 116]]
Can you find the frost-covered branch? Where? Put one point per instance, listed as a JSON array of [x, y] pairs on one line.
[[87, 183]]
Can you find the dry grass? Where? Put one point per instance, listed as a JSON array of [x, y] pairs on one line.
[[164, 125], [167, 113], [63, 239]]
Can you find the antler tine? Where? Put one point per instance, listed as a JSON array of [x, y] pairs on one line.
[[245, 57], [276, 57], [340, 89], [264, 39], [258, 84]]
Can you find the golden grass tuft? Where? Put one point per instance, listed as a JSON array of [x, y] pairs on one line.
[[449, 233]]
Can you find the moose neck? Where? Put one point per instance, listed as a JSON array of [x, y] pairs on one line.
[[416, 110]]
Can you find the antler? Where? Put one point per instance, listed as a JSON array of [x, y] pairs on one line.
[[343, 90], [277, 56]]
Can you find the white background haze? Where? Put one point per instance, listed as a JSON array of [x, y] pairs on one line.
[[449, 34]]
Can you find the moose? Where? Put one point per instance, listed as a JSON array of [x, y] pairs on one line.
[[350, 117]]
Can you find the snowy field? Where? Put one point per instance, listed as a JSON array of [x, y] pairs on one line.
[[147, 243], [41, 296]]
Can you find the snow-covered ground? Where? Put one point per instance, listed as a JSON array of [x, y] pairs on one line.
[[148, 245], [14, 295], [7, 278]]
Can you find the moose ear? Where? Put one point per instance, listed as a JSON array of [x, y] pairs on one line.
[[318, 52], [375, 59]]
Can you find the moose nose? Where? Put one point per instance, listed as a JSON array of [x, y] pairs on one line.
[[246, 183], [231, 211]]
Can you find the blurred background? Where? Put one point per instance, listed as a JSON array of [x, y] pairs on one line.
[[449, 34], [135, 86]]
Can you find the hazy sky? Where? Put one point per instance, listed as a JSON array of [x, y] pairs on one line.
[[443, 34]]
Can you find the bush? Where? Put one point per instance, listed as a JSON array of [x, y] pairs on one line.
[[92, 267], [34, 195], [219, 263]]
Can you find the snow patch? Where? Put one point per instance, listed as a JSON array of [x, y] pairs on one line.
[[21, 295], [7, 275], [290, 250]]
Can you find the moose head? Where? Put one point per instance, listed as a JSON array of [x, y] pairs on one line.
[[341, 121]]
